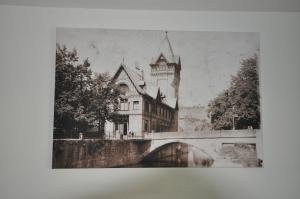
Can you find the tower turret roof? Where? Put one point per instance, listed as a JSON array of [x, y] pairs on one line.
[[166, 50]]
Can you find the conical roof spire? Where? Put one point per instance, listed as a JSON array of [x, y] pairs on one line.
[[166, 49], [169, 46]]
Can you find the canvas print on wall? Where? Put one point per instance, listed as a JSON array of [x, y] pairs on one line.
[[156, 98]]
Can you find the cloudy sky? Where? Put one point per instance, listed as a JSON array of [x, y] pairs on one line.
[[208, 59]]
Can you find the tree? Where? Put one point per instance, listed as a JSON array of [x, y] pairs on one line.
[[220, 112], [64, 109], [240, 102], [104, 102], [82, 99], [83, 81], [72, 82]]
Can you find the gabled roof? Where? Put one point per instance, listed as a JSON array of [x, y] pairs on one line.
[[144, 88], [134, 77]]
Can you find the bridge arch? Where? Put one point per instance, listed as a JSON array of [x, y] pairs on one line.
[[205, 147], [178, 150]]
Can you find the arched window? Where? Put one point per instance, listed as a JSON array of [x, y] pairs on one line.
[[123, 88]]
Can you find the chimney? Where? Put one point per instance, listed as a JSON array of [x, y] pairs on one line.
[[139, 69]]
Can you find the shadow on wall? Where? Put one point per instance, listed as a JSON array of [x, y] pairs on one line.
[[162, 184]]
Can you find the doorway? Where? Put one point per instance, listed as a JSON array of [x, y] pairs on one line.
[[125, 129]]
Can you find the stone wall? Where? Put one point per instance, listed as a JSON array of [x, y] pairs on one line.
[[97, 153]]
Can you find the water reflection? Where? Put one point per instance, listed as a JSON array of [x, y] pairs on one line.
[[176, 154]]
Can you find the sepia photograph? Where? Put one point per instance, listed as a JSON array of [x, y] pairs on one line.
[[156, 98]]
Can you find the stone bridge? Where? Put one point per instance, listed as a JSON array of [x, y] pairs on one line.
[[209, 142], [192, 148]]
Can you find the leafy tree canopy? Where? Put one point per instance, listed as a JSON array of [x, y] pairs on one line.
[[82, 99], [240, 102]]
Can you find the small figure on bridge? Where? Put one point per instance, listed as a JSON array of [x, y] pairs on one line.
[[80, 136]]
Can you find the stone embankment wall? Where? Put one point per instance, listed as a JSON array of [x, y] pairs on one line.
[[95, 153]]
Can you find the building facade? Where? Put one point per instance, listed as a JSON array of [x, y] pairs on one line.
[[152, 106]]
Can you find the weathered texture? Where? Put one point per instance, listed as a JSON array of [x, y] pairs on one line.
[[97, 153], [240, 154]]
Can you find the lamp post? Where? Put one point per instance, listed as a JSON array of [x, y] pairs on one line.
[[233, 123], [233, 116]]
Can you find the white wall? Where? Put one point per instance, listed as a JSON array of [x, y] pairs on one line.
[[27, 50]]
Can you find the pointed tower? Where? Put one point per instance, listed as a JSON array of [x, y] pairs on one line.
[[165, 69]]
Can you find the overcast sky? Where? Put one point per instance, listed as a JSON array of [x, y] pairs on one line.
[[208, 59]]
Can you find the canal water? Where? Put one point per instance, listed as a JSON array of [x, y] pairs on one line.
[[176, 154]]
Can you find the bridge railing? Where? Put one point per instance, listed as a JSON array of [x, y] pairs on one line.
[[172, 135], [203, 134]]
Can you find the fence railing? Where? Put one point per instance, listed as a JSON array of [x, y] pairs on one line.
[[95, 135], [76, 135], [160, 135]]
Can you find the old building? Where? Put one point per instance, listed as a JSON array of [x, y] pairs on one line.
[[148, 106]]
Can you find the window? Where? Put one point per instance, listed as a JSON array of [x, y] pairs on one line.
[[153, 125], [147, 106], [163, 65], [153, 109], [123, 89], [135, 105], [124, 105], [146, 125]]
